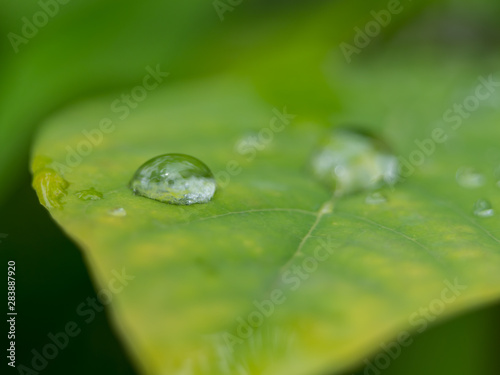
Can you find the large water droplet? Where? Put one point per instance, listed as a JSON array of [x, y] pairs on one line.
[[350, 161], [483, 208], [89, 195], [174, 179], [469, 178]]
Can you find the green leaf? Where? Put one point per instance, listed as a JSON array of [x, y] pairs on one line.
[[344, 275]]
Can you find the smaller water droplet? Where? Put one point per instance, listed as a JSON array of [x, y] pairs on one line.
[[469, 178], [89, 194], [483, 208], [175, 179], [349, 161], [118, 212], [375, 198], [51, 187]]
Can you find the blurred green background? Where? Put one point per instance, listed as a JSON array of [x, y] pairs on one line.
[[99, 46]]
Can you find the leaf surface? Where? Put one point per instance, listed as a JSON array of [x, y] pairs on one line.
[[344, 275]]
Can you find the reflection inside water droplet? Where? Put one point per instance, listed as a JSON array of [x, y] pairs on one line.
[[469, 178], [350, 161], [118, 212], [483, 208], [175, 179]]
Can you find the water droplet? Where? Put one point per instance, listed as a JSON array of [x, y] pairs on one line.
[[469, 178], [375, 198], [118, 212], [350, 161], [175, 179], [483, 208], [50, 187], [89, 195]]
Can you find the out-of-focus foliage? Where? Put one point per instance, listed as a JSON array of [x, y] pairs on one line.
[[199, 269]]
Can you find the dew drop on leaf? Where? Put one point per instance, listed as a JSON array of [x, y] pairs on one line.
[[469, 178], [48, 183], [483, 208], [175, 179], [89, 195], [348, 161], [51, 187], [118, 212], [375, 198]]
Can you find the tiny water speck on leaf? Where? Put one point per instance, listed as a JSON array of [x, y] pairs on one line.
[[118, 212], [469, 178], [375, 198], [483, 208]]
